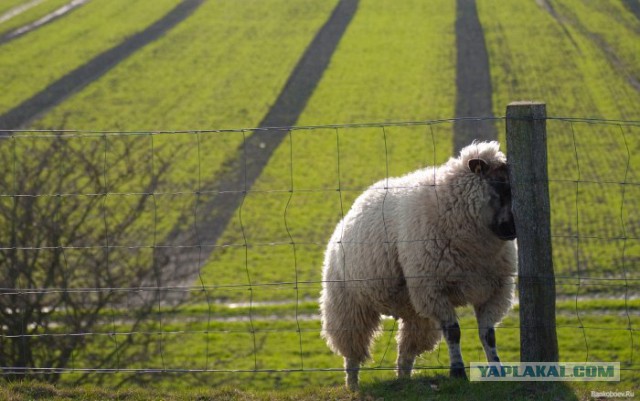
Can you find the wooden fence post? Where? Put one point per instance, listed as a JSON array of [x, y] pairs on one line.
[[527, 156]]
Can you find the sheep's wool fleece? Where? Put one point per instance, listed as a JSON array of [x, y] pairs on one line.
[[421, 243]]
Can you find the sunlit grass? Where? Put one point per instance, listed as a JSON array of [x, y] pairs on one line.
[[379, 73], [28, 16], [562, 62], [262, 349], [32, 62]]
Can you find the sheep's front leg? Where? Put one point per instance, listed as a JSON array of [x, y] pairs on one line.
[[451, 331], [436, 305], [489, 314], [487, 333], [488, 339]]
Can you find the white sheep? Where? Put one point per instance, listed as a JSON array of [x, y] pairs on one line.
[[416, 247]]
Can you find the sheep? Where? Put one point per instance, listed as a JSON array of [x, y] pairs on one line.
[[415, 248]]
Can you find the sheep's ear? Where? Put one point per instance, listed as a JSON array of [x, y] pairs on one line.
[[478, 166]]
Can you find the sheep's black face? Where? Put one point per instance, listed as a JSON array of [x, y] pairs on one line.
[[502, 223]]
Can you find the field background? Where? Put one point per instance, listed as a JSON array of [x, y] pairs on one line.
[[253, 301]]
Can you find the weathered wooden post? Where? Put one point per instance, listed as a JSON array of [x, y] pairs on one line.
[[527, 156]]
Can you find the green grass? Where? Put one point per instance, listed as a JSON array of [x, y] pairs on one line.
[[189, 340], [286, 231], [181, 82], [327, 168], [224, 66], [220, 68], [32, 62], [30, 15], [379, 72], [252, 59], [595, 20], [594, 222], [567, 71], [9, 4], [439, 388]]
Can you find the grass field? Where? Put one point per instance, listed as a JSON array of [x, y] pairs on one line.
[[594, 217], [34, 61], [224, 66], [185, 341], [33, 13], [435, 388], [344, 161]]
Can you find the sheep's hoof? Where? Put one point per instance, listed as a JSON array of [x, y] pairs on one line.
[[458, 372]]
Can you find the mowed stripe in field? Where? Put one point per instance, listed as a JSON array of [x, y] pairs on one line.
[[590, 165], [473, 79], [395, 61], [31, 63], [77, 79], [243, 167], [224, 67]]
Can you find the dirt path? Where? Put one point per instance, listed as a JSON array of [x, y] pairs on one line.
[[77, 79], [243, 168], [473, 79], [52, 16]]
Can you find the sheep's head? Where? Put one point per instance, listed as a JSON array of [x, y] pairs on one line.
[[497, 178]]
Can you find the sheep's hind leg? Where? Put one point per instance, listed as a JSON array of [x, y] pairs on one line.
[[415, 336], [451, 332], [350, 332], [352, 367]]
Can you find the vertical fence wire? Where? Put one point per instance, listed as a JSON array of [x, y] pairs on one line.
[[158, 274], [387, 242], [294, 249], [106, 246], [578, 239], [625, 238], [341, 241], [65, 261], [245, 190], [198, 240]]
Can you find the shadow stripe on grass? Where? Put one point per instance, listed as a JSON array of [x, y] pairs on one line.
[[633, 6], [240, 171], [77, 79], [473, 79]]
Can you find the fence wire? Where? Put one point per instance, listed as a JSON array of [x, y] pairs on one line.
[[149, 253]]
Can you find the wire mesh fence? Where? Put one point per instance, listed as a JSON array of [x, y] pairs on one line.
[[156, 254]]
